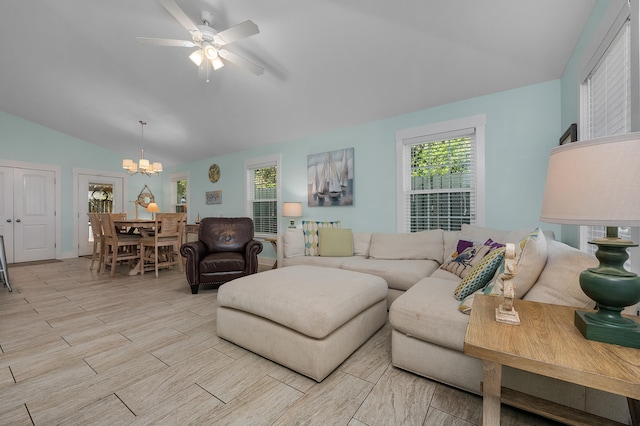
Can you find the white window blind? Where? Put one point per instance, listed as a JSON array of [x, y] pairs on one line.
[[609, 89], [439, 181], [607, 92], [262, 196]]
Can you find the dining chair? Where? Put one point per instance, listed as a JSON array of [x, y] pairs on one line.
[[120, 216], [118, 247], [162, 248], [98, 240]]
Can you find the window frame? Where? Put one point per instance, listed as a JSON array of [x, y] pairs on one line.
[[256, 163], [616, 17], [439, 131]]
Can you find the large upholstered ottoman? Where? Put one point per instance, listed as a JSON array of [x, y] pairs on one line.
[[307, 318]]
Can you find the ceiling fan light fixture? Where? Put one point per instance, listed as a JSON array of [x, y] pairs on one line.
[[197, 56], [217, 63], [210, 51]]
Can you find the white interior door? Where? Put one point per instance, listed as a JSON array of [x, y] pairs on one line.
[[6, 210], [85, 182], [34, 215]]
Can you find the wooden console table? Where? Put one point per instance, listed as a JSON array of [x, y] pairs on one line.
[[547, 343]]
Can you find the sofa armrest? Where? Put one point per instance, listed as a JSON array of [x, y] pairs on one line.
[[193, 251], [252, 249]]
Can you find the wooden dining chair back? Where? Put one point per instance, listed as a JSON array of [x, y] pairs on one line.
[[118, 247], [163, 248], [98, 240], [120, 216]]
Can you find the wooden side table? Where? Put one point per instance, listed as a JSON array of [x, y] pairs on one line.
[[274, 244], [547, 343]]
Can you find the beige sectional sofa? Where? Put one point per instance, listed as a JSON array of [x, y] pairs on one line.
[[428, 323]]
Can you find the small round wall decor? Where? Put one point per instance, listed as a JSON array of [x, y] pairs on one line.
[[214, 173]]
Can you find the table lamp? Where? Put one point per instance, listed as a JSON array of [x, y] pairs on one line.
[[597, 182], [292, 210], [153, 208]]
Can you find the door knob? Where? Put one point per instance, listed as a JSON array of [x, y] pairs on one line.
[[9, 220], [18, 220]]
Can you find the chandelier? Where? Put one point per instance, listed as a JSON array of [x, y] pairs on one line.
[[142, 166]]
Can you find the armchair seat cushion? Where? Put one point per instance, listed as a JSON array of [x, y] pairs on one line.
[[222, 262]]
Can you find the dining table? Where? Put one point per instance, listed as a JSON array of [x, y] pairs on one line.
[[142, 226]]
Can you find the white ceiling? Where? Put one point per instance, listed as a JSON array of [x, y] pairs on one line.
[[75, 66]]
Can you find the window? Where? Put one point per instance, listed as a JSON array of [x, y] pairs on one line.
[[606, 102], [263, 194], [441, 175], [179, 192]]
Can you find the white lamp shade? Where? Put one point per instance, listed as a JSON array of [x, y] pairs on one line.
[[143, 164], [292, 209], [128, 164], [217, 63], [156, 167], [594, 182], [196, 57]]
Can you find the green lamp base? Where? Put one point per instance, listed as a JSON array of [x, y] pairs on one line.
[[624, 334], [613, 288]]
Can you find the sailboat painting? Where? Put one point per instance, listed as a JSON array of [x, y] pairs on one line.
[[330, 178]]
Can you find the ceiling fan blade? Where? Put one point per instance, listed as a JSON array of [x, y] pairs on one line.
[[242, 30], [179, 14], [240, 62], [165, 42]]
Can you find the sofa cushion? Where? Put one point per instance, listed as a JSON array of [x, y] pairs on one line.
[[531, 256], [559, 282], [399, 274], [414, 245], [428, 312], [361, 243], [464, 262], [336, 242], [293, 242], [326, 261], [324, 298], [480, 274], [310, 229]]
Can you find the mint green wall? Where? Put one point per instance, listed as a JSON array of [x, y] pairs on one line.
[[522, 126]]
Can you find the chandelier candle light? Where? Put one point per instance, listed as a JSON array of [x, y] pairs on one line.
[[142, 166], [596, 183], [292, 210]]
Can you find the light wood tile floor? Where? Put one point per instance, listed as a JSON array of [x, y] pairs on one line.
[[78, 348]]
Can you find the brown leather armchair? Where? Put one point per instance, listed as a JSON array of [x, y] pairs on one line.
[[225, 250]]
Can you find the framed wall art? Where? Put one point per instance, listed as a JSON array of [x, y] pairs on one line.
[[571, 135], [330, 178], [213, 197]]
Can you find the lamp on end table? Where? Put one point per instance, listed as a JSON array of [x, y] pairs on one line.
[[597, 182], [292, 210]]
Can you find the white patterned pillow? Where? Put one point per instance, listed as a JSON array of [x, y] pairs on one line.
[[311, 237]]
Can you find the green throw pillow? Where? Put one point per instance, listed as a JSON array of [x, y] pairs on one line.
[[480, 274], [335, 242]]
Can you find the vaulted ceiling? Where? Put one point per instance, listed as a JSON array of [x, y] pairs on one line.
[[75, 66]]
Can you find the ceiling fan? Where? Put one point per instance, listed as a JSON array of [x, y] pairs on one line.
[[210, 53]]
